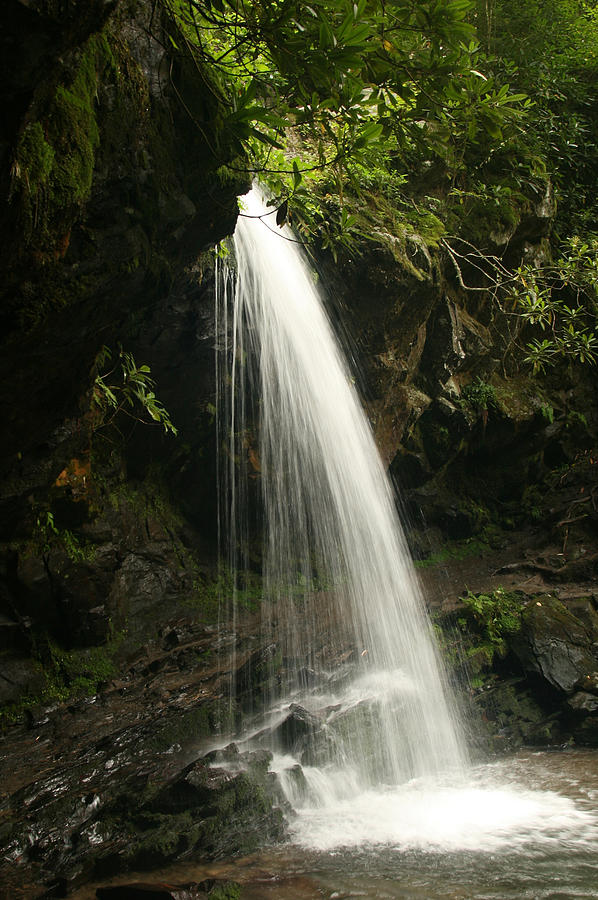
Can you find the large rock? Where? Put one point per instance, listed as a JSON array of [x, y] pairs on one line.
[[555, 644], [298, 730]]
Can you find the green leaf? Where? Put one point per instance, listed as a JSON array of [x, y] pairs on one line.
[[367, 135], [297, 176]]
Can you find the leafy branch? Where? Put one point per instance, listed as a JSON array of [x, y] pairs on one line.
[[128, 389], [559, 299]]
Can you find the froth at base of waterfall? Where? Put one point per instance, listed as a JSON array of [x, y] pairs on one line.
[[372, 705], [437, 816]]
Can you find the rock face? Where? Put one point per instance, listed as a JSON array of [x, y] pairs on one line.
[[93, 545], [554, 643], [126, 784], [534, 665]]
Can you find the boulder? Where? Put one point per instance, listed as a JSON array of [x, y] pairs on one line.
[[297, 730], [555, 644]]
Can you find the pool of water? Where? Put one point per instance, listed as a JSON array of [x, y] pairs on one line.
[[522, 827]]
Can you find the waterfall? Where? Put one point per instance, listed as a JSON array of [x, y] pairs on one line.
[[341, 606]]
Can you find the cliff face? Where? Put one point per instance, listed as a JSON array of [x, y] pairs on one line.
[[110, 159], [472, 437]]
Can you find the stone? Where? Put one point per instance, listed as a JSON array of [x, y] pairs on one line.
[[259, 675], [195, 786], [214, 888], [297, 730], [583, 702], [20, 675], [588, 683], [554, 643]]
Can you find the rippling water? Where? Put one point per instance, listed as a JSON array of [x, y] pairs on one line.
[[523, 827]]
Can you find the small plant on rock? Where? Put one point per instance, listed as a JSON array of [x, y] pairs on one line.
[[495, 615]]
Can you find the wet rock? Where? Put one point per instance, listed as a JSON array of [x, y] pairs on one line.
[[194, 787], [589, 683], [554, 643], [259, 676], [20, 675], [297, 783], [228, 754], [297, 731], [307, 678], [216, 889], [583, 702]]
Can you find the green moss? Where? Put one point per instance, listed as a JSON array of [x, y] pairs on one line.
[[55, 157], [68, 675], [229, 890], [35, 158], [485, 210], [488, 537]]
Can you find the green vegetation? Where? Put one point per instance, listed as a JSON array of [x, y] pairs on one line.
[[479, 395], [454, 120], [451, 120], [48, 536], [329, 99], [54, 161], [67, 675], [475, 637], [126, 389], [494, 616]]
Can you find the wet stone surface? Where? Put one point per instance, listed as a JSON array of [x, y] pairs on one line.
[[118, 781]]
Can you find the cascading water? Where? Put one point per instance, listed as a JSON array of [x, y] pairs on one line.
[[329, 523], [366, 745]]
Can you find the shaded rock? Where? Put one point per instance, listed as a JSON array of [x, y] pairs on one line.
[[11, 635], [583, 702], [554, 643], [19, 675], [257, 678], [586, 732], [454, 339], [512, 717], [217, 890], [296, 731], [589, 683], [585, 610]]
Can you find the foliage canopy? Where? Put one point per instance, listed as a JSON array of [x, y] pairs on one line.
[[460, 109]]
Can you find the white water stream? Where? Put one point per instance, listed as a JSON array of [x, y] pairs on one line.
[[385, 762]]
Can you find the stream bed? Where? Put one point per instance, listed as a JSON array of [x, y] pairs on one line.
[[525, 826]]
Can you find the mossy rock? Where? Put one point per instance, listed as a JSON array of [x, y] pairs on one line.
[[554, 643]]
